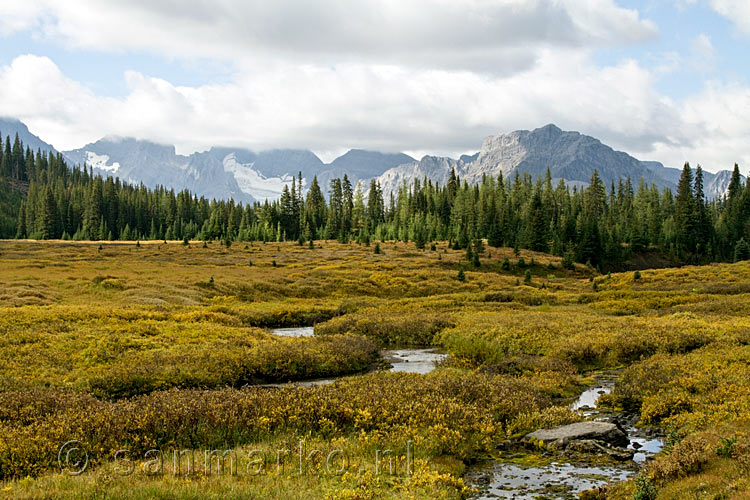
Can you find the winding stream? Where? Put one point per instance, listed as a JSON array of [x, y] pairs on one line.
[[412, 360], [514, 479], [559, 479]]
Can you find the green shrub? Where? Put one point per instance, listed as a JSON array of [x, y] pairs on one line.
[[644, 490], [726, 448], [567, 260], [475, 260]]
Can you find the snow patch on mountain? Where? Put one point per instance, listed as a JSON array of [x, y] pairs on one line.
[[101, 162], [253, 182]]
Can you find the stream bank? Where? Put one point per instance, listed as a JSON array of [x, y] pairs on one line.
[[527, 475]]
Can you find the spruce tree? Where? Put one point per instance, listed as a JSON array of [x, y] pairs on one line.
[[741, 250], [495, 237], [47, 216], [420, 239], [703, 223], [685, 213], [538, 224], [596, 222], [21, 225], [461, 275]]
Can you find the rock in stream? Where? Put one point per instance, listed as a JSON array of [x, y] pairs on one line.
[[559, 437]]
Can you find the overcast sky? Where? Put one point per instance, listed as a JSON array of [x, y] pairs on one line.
[[667, 80]]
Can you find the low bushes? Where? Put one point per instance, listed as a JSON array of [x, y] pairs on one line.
[[394, 325], [121, 353], [446, 413], [574, 333], [691, 391]]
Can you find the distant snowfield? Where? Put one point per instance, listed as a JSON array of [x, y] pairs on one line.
[[253, 182], [100, 162]]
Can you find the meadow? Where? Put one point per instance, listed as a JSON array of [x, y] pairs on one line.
[[167, 346]]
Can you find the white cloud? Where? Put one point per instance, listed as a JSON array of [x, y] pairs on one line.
[[19, 16], [737, 11], [389, 108], [498, 36], [414, 76], [703, 45], [716, 127], [702, 54]]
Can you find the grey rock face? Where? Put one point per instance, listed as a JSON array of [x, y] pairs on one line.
[[360, 164], [568, 155], [715, 185], [152, 164], [597, 431], [223, 172], [435, 168]]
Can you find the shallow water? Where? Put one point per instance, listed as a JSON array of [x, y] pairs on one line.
[[563, 480], [587, 402], [588, 398], [297, 331], [420, 360], [648, 446], [556, 480], [413, 360]]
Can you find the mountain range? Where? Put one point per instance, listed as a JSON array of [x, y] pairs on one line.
[[247, 176]]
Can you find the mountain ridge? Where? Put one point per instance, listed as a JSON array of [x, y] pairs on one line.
[[247, 176], [568, 155], [10, 126]]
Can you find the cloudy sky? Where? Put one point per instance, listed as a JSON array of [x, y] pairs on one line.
[[667, 80]]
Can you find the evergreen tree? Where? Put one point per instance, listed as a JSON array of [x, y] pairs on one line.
[[21, 225], [461, 275], [315, 208], [359, 212], [538, 224], [47, 216], [741, 250], [335, 211], [602, 226], [685, 213], [703, 223], [375, 205], [347, 208]]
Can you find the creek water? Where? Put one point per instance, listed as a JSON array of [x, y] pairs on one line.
[[297, 331], [555, 480], [412, 360], [559, 479]]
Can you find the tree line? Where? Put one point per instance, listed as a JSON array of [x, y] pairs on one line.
[[601, 225]]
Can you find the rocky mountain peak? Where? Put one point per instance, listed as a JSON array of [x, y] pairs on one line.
[[244, 175]]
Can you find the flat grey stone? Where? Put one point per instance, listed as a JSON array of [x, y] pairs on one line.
[[598, 431]]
